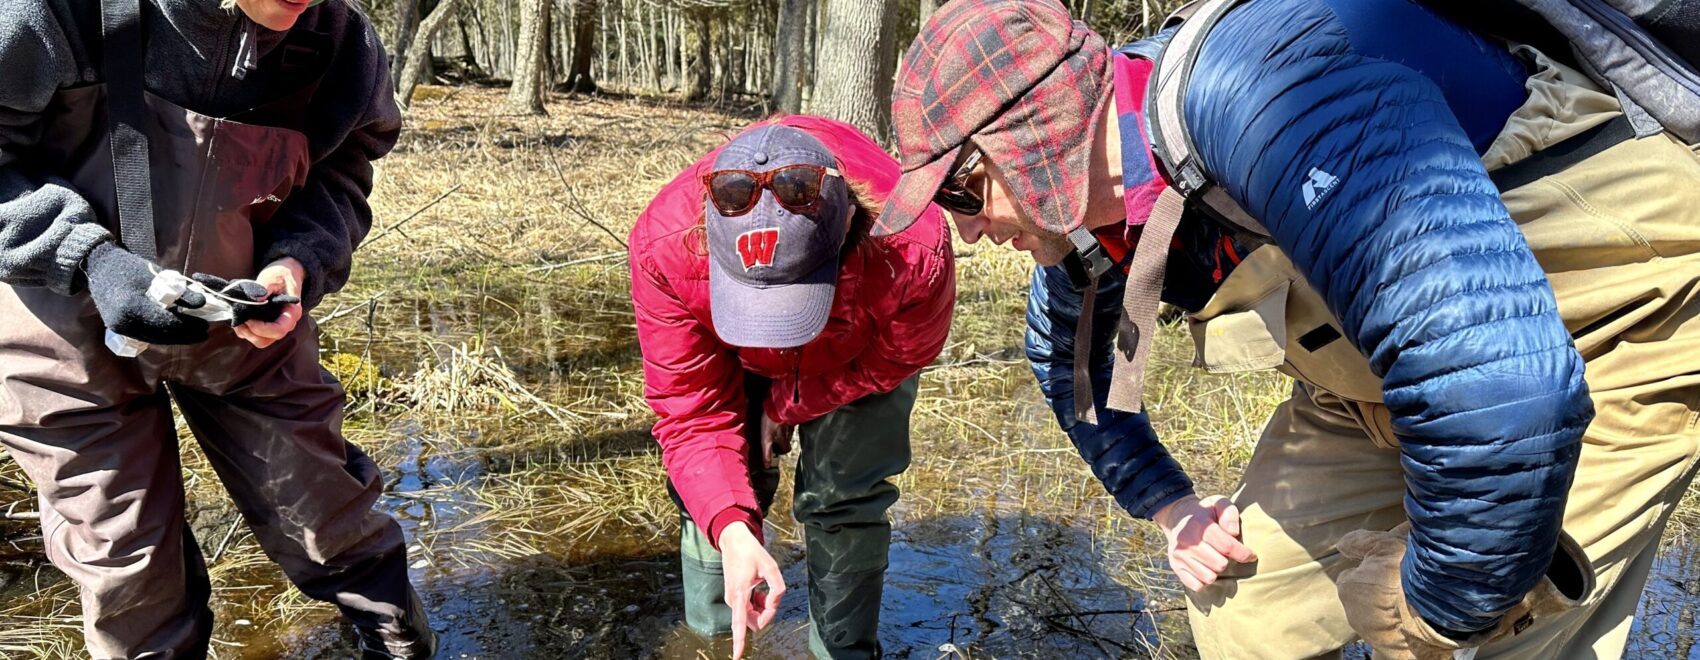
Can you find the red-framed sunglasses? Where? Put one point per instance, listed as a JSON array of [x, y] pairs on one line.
[[795, 187]]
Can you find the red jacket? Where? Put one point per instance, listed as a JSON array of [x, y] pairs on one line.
[[889, 319]]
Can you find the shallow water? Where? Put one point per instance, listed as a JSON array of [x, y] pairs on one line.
[[988, 587]]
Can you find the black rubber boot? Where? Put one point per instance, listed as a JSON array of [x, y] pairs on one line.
[[399, 639]]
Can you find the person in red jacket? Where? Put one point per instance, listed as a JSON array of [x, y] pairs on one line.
[[763, 305]]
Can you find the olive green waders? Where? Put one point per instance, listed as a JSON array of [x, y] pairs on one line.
[[94, 431], [842, 491]]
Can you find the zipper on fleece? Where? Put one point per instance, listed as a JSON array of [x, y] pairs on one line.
[[247, 49], [225, 57]]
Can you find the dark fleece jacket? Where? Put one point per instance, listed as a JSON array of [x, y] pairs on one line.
[[195, 58]]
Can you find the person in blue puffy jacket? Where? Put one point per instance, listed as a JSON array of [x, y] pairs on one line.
[[1486, 289]]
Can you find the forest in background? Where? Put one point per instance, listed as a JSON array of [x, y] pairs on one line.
[[835, 58]]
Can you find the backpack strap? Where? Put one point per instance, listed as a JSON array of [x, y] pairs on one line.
[[123, 58], [1166, 95], [1144, 289]]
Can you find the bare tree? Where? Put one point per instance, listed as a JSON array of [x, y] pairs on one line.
[[406, 21], [417, 56], [789, 56], [701, 71], [856, 64], [531, 65], [584, 39]]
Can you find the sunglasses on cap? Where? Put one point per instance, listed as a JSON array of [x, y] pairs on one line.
[[954, 194], [795, 187]]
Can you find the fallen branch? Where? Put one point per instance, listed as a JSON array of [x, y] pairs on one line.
[[411, 216], [548, 268], [575, 205]]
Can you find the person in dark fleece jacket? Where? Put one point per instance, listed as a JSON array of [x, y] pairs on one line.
[[263, 119]]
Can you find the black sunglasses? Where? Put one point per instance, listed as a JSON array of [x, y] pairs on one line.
[[954, 194]]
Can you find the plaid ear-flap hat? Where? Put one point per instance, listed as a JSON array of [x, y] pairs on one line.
[[1024, 82]]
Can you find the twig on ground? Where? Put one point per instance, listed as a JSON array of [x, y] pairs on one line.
[[411, 216], [547, 268], [573, 203]]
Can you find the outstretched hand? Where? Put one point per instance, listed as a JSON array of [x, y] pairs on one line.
[[1203, 538]]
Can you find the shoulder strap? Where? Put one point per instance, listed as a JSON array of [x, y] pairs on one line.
[[1165, 113], [1165, 116], [123, 58]]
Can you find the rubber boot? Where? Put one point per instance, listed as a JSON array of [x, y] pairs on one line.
[[700, 565], [409, 639], [844, 614], [704, 579]]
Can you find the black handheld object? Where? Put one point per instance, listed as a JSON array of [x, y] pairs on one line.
[[261, 305]]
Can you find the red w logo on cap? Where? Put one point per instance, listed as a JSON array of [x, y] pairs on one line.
[[756, 247]]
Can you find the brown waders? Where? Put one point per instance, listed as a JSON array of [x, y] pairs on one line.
[[1619, 237], [841, 495], [95, 432]]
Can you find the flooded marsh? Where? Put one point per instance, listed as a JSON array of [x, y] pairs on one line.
[[488, 347]]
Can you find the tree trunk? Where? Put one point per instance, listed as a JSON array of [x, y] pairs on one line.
[[789, 56], [856, 65], [607, 66], [811, 46], [406, 21], [584, 37], [531, 59], [504, 57], [701, 70], [620, 36], [725, 62], [420, 53], [466, 53], [927, 9]]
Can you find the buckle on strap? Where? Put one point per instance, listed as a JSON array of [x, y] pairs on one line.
[[1093, 258]]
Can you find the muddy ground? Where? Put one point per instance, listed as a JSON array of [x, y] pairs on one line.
[[488, 348]]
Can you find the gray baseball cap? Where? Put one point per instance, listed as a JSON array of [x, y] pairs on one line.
[[772, 272]]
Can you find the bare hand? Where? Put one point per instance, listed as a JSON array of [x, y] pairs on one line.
[[283, 276], [746, 565], [775, 439], [1203, 538]]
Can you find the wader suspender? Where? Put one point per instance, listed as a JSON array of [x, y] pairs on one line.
[[1165, 121], [1086, 264], [123, 57]]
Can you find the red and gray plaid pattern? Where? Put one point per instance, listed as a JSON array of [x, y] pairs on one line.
[[1024, 82]]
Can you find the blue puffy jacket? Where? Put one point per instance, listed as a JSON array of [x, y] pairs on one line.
[[1406, 239]]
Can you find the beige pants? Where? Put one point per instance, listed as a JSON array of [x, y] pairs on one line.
[[1619, 237]]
